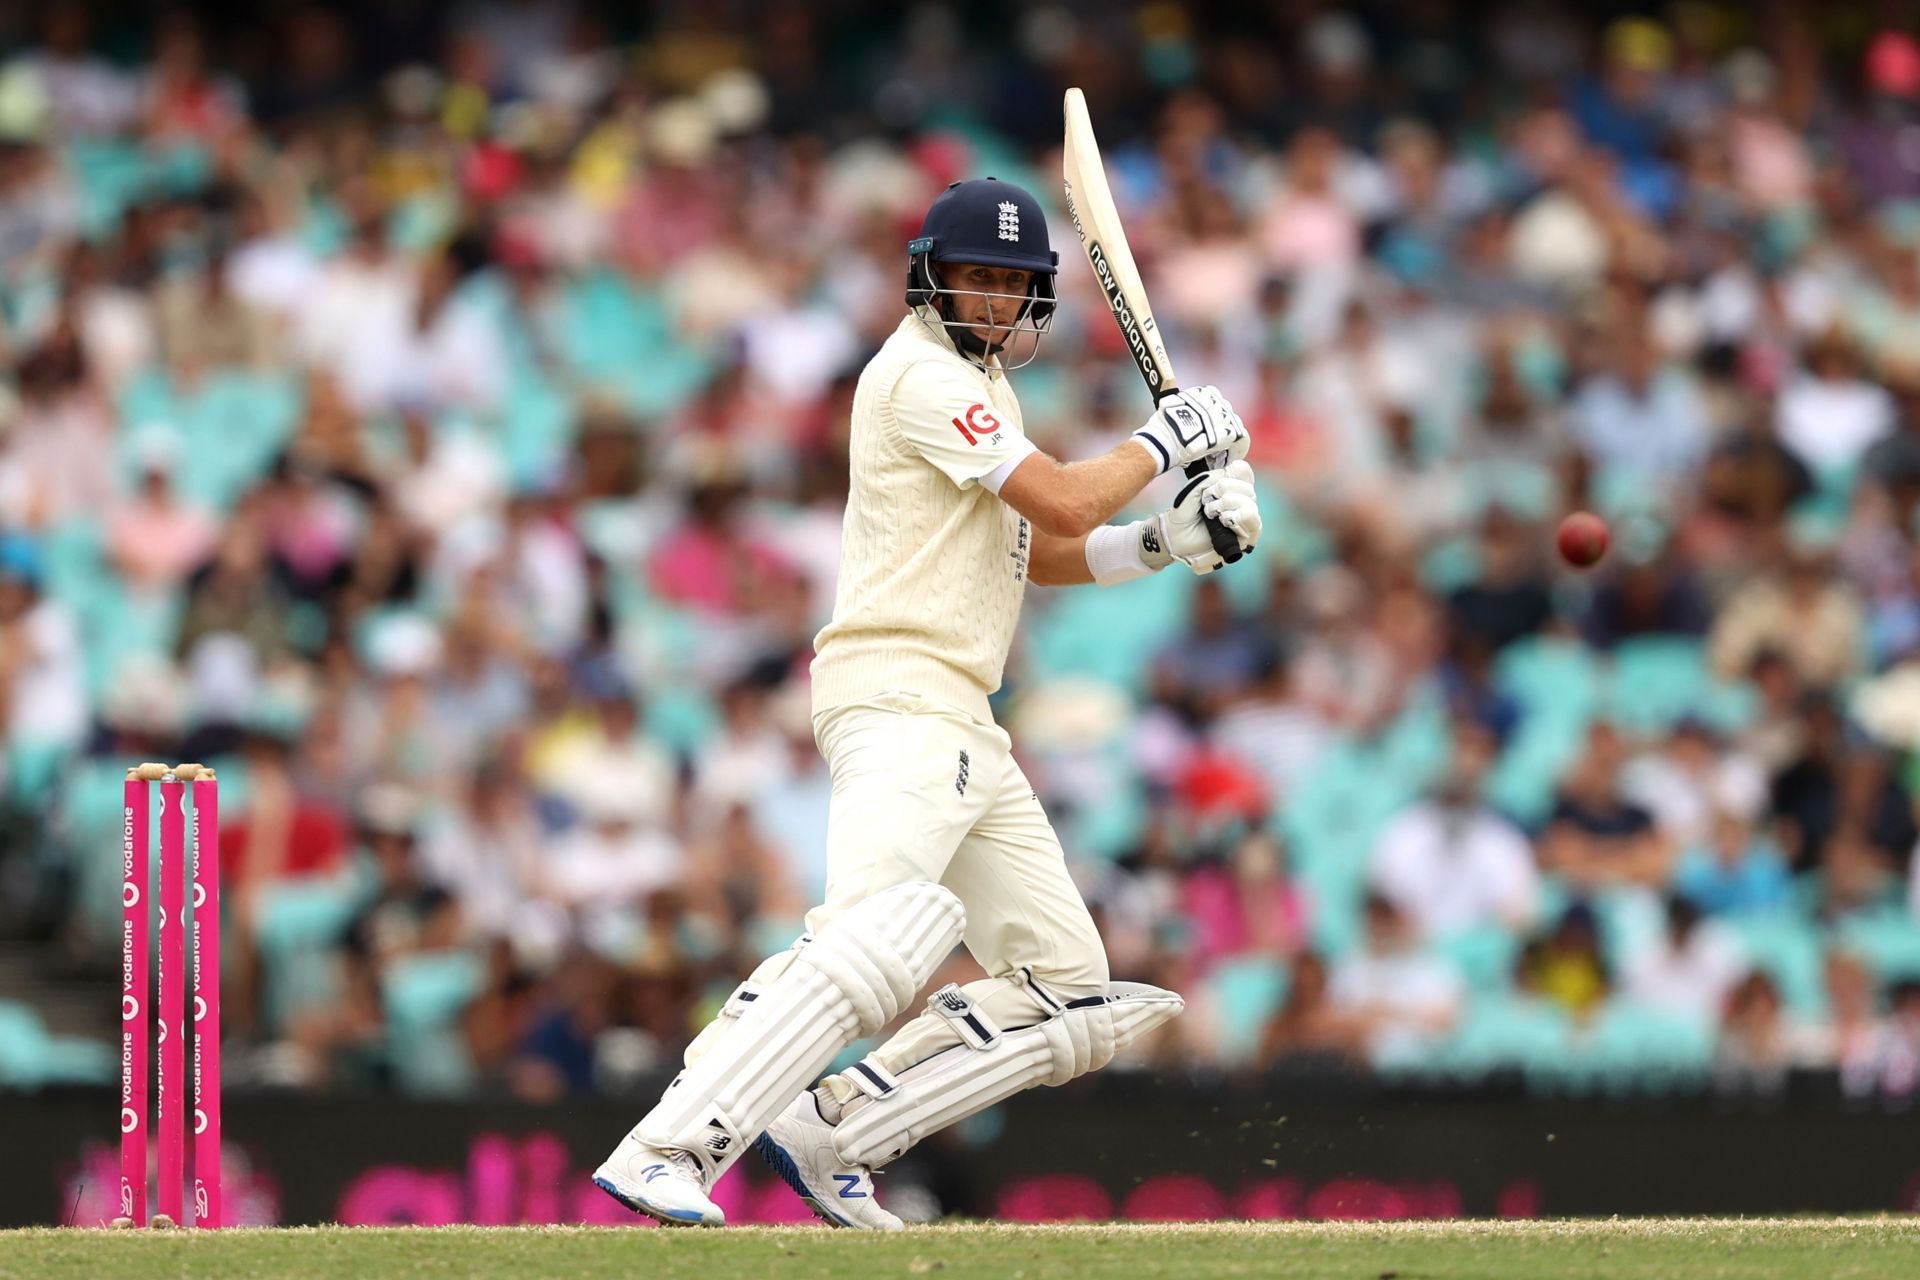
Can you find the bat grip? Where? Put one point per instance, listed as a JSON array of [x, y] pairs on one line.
[[1225, 541]]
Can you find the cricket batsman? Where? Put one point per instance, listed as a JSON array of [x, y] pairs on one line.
[[935, 835]]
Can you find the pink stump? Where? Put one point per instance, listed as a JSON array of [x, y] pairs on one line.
[[172, 971], [135, 938], [206, 1002]]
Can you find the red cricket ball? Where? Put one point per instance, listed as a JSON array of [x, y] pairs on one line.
[[1583, 539]]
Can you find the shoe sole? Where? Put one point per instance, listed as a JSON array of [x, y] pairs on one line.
[[665, 1217], [782, 1164]]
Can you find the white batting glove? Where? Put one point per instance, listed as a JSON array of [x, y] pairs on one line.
[[1181, 530], [1191, 425]]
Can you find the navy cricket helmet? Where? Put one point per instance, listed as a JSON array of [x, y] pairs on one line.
[[995, 224]]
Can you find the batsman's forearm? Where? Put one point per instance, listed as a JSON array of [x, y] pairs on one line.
[[1071, 499], [1059, 562]]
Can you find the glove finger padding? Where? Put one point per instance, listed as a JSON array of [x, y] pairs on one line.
[[1227, 495]]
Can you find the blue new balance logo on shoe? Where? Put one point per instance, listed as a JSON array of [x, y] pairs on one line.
[[849, 1186], [653, 1171]]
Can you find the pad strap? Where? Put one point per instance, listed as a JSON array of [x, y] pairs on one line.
[[740, 1001], [872, 1079], [970, 1022]]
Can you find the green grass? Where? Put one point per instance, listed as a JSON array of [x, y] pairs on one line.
[[1880, 1248]]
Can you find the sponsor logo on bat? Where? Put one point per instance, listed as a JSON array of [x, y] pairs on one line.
[[1130, 328]]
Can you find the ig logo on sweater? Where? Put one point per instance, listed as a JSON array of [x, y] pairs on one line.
[[979, 421]]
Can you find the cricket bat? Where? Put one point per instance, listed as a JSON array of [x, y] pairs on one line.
[[1096, 220]]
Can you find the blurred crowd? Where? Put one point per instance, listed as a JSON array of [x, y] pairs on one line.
[[434, 416]]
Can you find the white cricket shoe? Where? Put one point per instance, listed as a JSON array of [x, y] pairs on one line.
[[799, 1147], [664, 1184]]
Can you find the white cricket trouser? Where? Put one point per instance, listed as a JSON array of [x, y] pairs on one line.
[[923, 792]]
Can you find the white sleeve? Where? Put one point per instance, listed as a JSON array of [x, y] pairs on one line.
[[992, 481], [944, 419]]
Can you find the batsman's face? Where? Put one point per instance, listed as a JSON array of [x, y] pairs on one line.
[[988, 300]]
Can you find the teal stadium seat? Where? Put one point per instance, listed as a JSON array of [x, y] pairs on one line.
[[30, 1058], [680, 717], [299, 924], [1246, 990], [1107, 830], [1331, 823], [1551, 676], [22, 1046], [1107, 635], [621, 341], [1505, 1032], [1628, 920], [1413, 750], [1630, 1048], [234, 423], [1558, 685], [1658, 680], [1888, 940], [424, 995], [538, 423], [1450, 564], [1787, 948], [109, 174], [1484, 955]]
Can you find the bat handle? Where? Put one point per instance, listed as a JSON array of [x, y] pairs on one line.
[[1225, 540]]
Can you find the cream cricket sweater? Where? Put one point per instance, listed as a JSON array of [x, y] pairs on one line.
[[932, 564]]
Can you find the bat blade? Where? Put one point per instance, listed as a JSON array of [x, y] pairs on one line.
[[1096, 221]]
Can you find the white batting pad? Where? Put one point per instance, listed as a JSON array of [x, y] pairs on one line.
[[852, 979], [956, 1083]]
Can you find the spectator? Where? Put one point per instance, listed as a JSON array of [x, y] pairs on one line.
[[1688, 968], [486, 853], [1690, 776], [50, 472], [1806, 613], [1272, 730], [43, 700], [1733, 870], [1565, 966], [155, 540], [604, 868], [1653, 593], [1217, 656], [1890, 1068], [1856, 1033], [558, 1053], [1247, 906], [1634, 415], [735, 876], [1596, 837], [1509, 599], [1450, 862], [1752, 478], [1831, 786], [1759, 1044], [1307, 1027], [1403, 999], [1344, 671], [235, 591], [1830, 415]]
